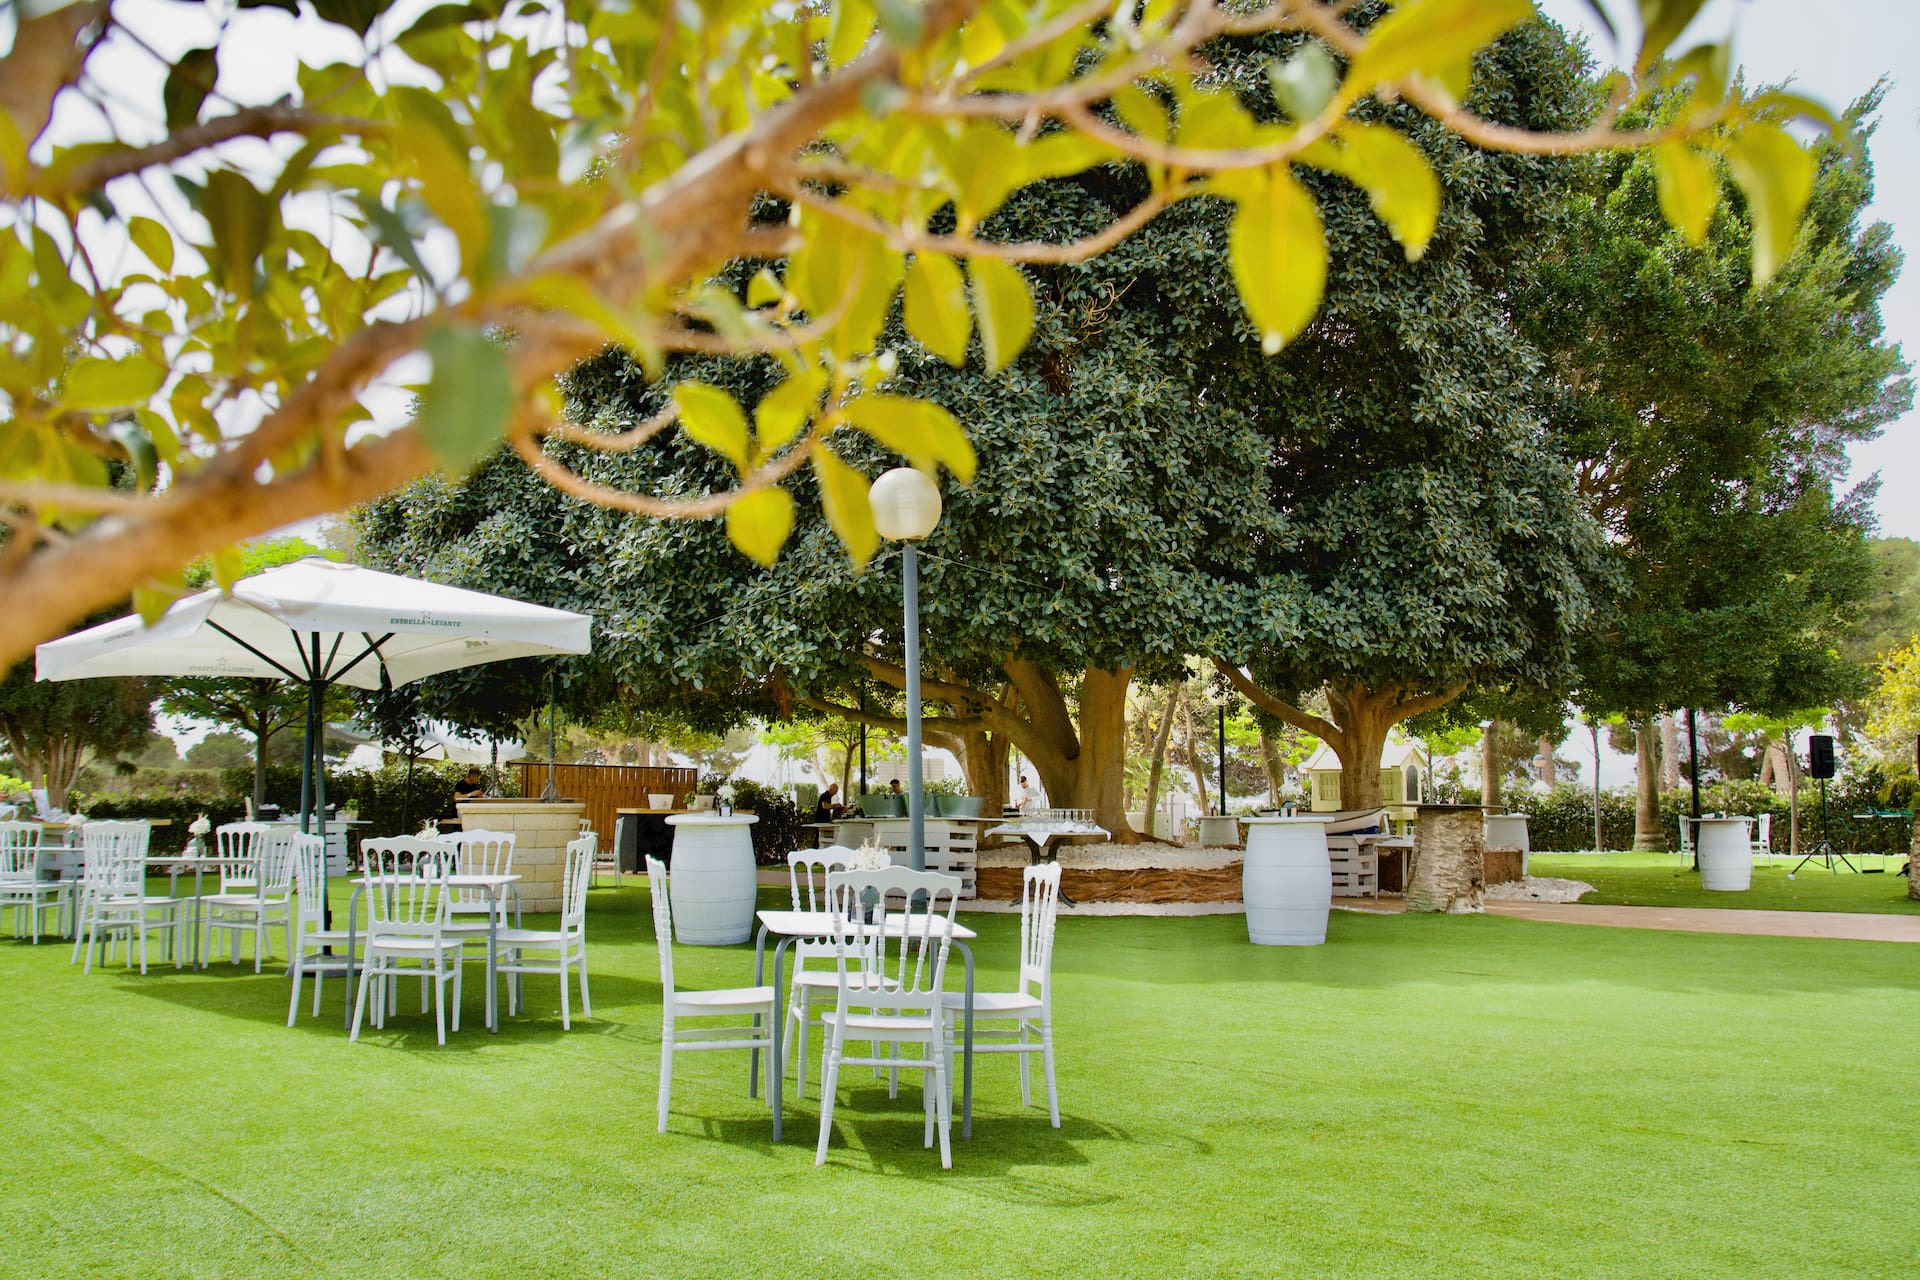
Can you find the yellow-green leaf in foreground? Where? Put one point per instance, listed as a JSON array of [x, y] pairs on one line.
[[152, 239], [710, 417], [1399, 183], [936, 307], [1688, 189], [93, 384], [759, 522], [1278, 252], [1430, 36], [1004, 305], [229, 566], [843, 496], [1777, 177], [785, 410], [918, 430]]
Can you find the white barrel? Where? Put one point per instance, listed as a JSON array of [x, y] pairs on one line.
[[1726, 854], [1287, 881], [712, 886], [1509, 831]]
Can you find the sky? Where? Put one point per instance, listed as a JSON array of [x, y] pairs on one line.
[[1851, 44]]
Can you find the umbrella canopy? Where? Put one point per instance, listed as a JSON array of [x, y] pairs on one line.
[[319, 621]]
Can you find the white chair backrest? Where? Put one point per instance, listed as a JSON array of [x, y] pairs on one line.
[[407, 855], [1686, 831], [807, 874], [19, 850], [482, 853], [1764, 837], [310, 879], [245, 842], [407, 904], [116, 856], [575, 875], [42, 804], [1039, 909], [893, 929], [662, 925], [276, 861]]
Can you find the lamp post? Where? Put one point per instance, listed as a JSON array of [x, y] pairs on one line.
[[906, 506]]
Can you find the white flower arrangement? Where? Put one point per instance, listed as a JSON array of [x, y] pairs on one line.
[[725, 791], [431, 831], [869, 857], [201, 826]]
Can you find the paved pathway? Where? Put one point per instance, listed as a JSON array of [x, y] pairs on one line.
[[1773, 924]]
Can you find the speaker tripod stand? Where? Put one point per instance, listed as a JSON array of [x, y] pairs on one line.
[[1823, 849]]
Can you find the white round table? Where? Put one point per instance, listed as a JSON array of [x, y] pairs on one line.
[[712, 885], [1286, 881], [1725, 848]]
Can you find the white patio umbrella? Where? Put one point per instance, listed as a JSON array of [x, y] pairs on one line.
[[319, 623]]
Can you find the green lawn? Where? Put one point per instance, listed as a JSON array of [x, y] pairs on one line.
[[1666, 880], [1422, 1097]]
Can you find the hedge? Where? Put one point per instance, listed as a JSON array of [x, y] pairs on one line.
[[1563, 820], [778, 831]]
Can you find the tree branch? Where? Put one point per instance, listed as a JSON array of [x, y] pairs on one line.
[[1281, 710]]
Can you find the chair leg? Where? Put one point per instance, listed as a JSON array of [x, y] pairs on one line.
[[1046, 1062], [829, 1085], [439, 1005], [293, 1004], [586, 1004], [360, 1004], [1026, 1076], [943, 1100], [666, 1072], [566, 1015], [893, 1072], [796, 1042], [459, 969], [259, 941]]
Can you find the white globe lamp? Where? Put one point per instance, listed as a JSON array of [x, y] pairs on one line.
[[906, 504]]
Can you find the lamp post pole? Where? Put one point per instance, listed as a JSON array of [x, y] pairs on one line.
[[916, 800], [906, 506]]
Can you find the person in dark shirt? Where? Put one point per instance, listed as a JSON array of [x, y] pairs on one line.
[[470, 786], [829, 808]]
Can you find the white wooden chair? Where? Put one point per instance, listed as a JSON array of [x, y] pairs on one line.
[[1763, 839], [604, 860], [407, 937], [567, 944], [114, 886], [261, 897], [891, 967], [807, 871], [1029, 1007], [749, 1009], [316, 949], [1686, 836], [22, 891], [239, 845]]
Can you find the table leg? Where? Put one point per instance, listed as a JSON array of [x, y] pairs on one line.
[[353, 914], [493, 958], [777, 1067], [759, 976], [966, 1052], [198, 961]]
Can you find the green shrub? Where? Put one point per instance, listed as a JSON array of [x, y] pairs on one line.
[[1563, 821], [778, 832]]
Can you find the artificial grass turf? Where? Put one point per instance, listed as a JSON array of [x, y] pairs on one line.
[[1668, 880], [1423, 1096]]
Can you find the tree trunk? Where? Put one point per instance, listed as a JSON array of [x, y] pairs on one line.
[[1548, 766], [1648, 834], [1270, 761], [1669, 772], [1490, 766], [984, 758], [1191, 739], [1365, 721], [1100, 772], [1160, 737]]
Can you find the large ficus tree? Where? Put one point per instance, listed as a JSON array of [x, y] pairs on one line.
[[212, 313], [1146, 474]]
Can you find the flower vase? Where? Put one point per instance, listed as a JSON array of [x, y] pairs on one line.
[[726, 808]]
